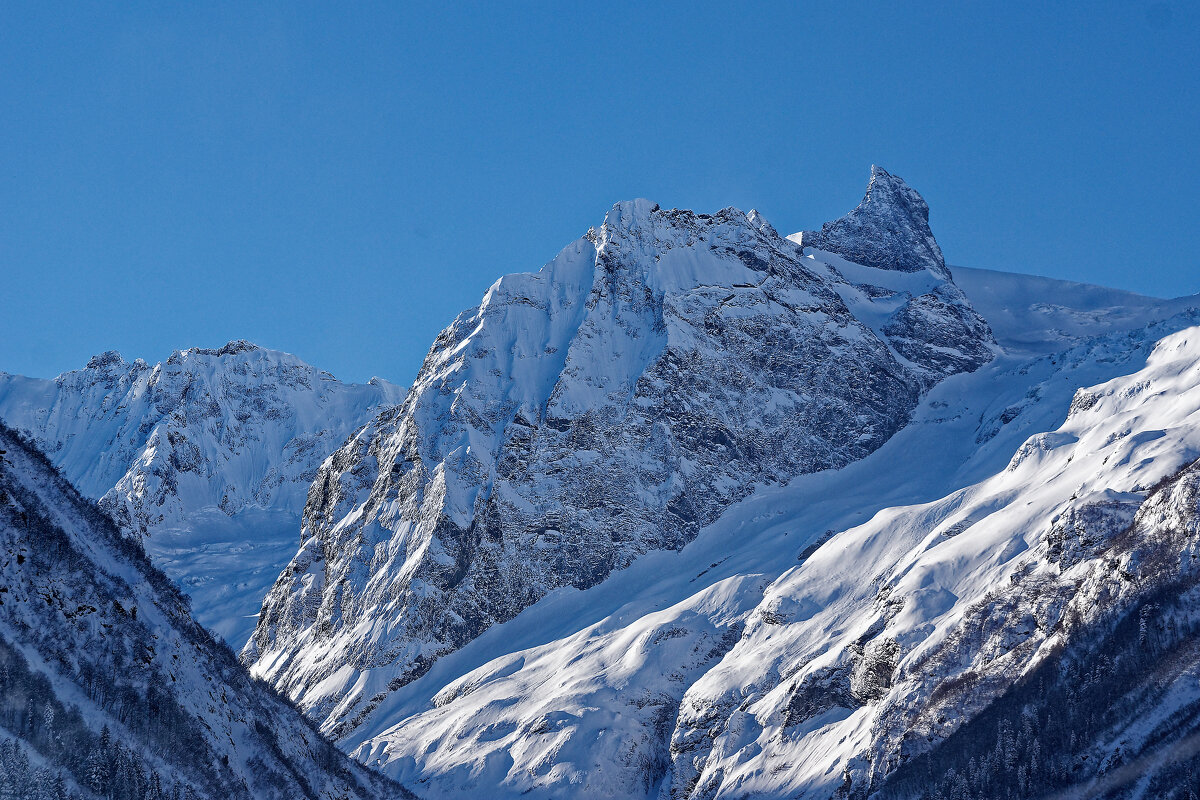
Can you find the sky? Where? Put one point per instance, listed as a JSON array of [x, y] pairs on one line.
[[340, 180]]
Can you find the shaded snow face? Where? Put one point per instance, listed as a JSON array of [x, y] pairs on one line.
[[208, 455], [655, 372]]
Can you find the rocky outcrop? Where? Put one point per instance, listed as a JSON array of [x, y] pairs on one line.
[[888, 230], [933, 325]]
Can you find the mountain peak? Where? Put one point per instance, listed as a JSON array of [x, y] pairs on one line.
[[233, 348], [237, 346], [109, 358], [888, 189], [629, 214], [889, 229], [613, 403], [760, 223]]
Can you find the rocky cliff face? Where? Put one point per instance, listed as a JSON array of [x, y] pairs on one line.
[[888, 230], [657, 371]]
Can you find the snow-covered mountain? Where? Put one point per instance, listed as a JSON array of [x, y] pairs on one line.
[[109, 689], [209, 455], [819, 635], [700, 511], [616, 402]]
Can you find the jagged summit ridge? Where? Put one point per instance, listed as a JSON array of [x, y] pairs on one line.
[[231, 348], [888, 230], [114, 359], [615, 402], [109, 358]]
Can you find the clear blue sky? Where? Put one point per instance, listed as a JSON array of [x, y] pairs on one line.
[[339, 180]]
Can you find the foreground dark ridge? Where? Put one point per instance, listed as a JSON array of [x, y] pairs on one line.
[[110, 689]]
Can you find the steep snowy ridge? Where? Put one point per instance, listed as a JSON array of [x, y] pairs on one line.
[[614, 403], [1112, 707], [209, 455], [109, 686], [892, 633]]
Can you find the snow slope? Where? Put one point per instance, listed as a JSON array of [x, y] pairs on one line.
[[866, 636], [107, 681], [209, 455], [659, 370]]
